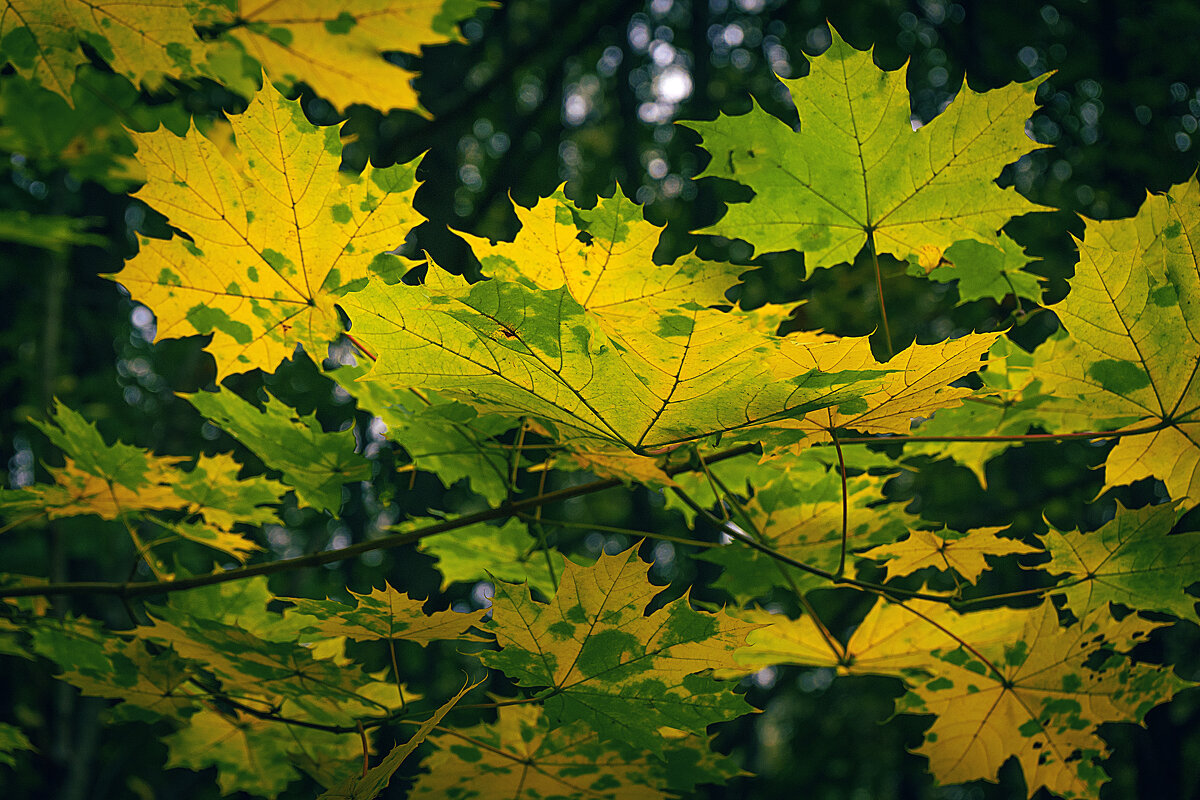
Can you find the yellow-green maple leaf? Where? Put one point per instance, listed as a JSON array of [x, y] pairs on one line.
[[250, 754], [276, 234], [1131, 560], [507, 347], [604, 258], [799, 514], [382, 614], [965, 554], [1034, 698], [857, 171], [624, 672], [891, 640], [1132, 350], [338, 47], [145, 41], [524, 757]]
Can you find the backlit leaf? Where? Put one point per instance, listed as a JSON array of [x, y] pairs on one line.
[[1133, 347], [383, 614], [1129, 560], [524, 757], [313, 462], [338, 48], [856, 168], [276, 233], [963, 553], [624, 673]]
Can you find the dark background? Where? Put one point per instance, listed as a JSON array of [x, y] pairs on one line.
[[545, 92]]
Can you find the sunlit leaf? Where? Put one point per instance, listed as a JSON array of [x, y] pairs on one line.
[[857, 169], [609, 664], [275, 234]]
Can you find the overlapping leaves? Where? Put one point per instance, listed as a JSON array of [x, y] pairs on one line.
[[609, 664]]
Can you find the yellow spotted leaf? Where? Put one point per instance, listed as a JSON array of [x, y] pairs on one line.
[[1132, 349], [525, 757], [383, 614], [1038, 697], [965, 554], [338, 47], [146, 40], [276, 234], [624, 672]]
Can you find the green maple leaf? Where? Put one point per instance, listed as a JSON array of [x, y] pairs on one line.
[[799, 514], [509, 348], [1132, 349], [991, 271], [447, 438], [525, 757], [856, 171], [249, 753], [480, 552], [607, 663], [1129, 560], [313, 462]]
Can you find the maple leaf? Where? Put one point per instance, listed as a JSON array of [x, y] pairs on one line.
[[1036, 699], [893, 639], [275, 232], [993, 271], [1132, 352], [158, 683], [625, 673], [369, 784], [145, 41], [313, 462], [338, 48], [447, 438], [509, 348], [481, 552], [856, 171], [799, 514], [526, 758], [1129, 560], [915, 389], [249, 753], [963, 553], [382, 614], [604, 257]]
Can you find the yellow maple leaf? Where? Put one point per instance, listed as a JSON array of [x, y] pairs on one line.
[[1034, 698], [78, 492], [337, 46], [276, 231], [383, 614], [145, 41], [1132, 353], [963, 554]]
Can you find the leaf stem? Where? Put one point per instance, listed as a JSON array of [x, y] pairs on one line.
[[887, 331], [841, 570]]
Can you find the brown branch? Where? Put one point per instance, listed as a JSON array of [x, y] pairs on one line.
[[129, 589]]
